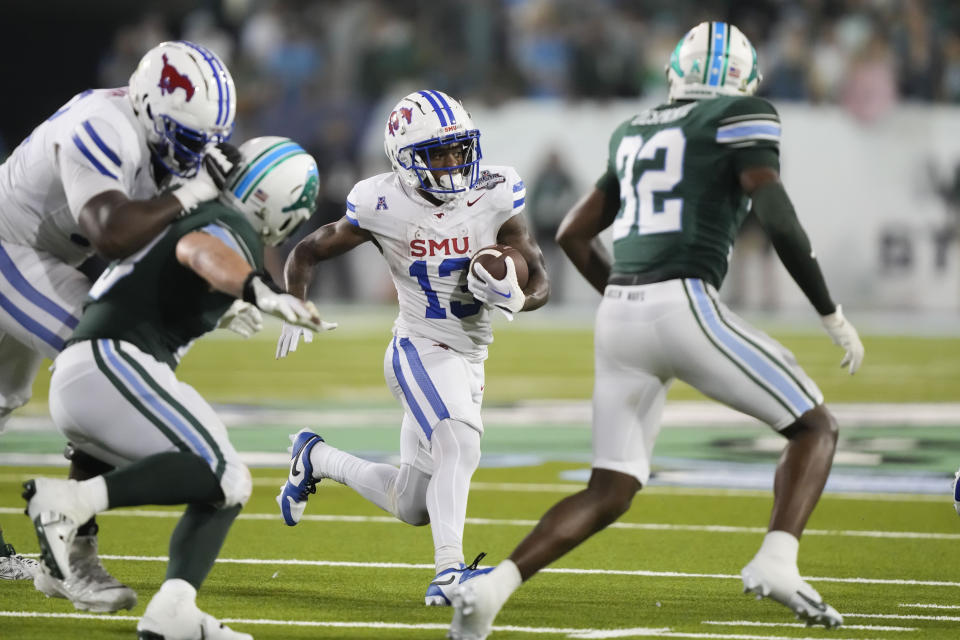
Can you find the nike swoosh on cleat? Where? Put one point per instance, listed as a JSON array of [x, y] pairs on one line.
[[293, 467], [445, 582], [819, 606]]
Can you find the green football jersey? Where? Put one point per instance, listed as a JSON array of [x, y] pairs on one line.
[[152, 301], [674, 171]]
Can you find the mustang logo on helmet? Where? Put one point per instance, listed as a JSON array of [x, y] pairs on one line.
[[393, 122], [171, 80]]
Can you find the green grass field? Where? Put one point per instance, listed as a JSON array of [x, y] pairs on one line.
[[669, 568]]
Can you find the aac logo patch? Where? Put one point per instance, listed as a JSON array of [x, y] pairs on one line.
[[382, 203]]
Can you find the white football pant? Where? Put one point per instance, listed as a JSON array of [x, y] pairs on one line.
[[120, 405], [647, 335]]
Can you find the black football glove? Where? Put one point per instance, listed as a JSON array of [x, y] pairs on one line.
[[222, 161]]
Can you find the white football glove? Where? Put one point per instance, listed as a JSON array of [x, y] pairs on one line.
[[504, 294], [269, 299], [843, 334], [242, 318], [289, 337], [220, 162]]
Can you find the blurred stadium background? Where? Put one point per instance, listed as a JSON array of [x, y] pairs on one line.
[[869, 96], [868, 90]]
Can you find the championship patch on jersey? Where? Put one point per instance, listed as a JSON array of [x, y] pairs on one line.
[[488, 180]]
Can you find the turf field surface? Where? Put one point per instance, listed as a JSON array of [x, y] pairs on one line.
[[671, 564], [669, 568]]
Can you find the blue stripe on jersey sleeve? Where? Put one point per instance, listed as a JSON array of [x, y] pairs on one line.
[[225, 236], [518, 187], [351, 220], [351, 206], [107, 151], [93, 160], [517, 203], [749, 131], [9, 271]]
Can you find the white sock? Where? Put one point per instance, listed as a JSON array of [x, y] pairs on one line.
[[455, 448], [374, 481], [93, 494], [503, 580], [781, 545], [178, 589]]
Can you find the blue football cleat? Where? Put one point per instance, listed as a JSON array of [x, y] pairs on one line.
[[300, 483], [440, 591]]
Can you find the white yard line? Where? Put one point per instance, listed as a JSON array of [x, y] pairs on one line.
[[604, 572], [921, 605], [893, 616], [801, 625], [522, 522], [573, 634], [571, 487]]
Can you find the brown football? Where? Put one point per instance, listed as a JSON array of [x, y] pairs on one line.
[[493, 259]]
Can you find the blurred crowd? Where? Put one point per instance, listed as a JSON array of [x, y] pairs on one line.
[[317, 71]]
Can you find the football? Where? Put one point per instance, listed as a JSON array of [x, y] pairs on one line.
[[493, 259]]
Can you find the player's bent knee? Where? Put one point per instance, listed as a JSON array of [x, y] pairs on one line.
[[236, 483], [415, 515], [817, 422]]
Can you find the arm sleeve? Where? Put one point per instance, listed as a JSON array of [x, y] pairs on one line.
[[609, 185], [775, 212], [91, 162]]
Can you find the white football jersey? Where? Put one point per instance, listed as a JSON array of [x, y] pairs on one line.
[[91, 145], [428, 250]]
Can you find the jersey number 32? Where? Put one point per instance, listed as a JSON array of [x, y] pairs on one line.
[[639, 211]]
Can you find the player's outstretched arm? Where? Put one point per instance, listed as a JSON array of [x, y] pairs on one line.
[[225, 270], [118, 226], [778, 217], [329, 241], [577, 236], [516, 233]]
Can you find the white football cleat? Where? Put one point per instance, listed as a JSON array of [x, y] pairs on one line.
[[173, 614], [90, 586], [768, 578], [474, 609], [441, 588], [56, 510], [13, 566]]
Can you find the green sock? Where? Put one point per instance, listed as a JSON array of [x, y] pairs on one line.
[[197, 540], [5, 549], [175, 477]]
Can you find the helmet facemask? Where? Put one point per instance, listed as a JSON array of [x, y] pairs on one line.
[[441, 181]]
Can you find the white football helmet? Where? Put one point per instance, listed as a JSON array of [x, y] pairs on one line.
[[184, 96], [714, 58], [426, 120], [276, 188]]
